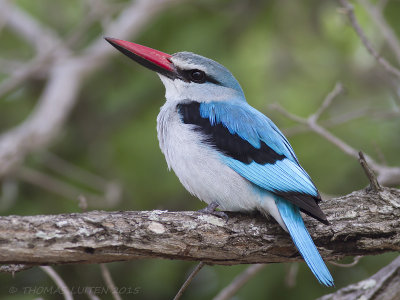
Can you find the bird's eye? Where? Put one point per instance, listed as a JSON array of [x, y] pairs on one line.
[[197, 76]]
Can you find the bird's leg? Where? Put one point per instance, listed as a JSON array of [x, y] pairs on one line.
[[210, 209]]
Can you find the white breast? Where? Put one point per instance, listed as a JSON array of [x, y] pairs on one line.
[[198, 166]]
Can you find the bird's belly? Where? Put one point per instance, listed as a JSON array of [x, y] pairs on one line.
[[200, 169], [209, 180]]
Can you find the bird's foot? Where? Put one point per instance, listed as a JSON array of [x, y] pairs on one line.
[[210, 209]]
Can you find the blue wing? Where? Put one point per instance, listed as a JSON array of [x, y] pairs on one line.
[[252, 145], [255, 148]]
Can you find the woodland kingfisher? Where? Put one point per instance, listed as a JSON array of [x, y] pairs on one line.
[[227, 153]]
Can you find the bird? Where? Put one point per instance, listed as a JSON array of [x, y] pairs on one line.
[[227, 153]]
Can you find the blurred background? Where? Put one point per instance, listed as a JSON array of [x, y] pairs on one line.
[[82, 118]]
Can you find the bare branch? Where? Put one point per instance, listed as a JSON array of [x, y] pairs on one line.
[[9, 193], [96, 11], [384, 285], [337, 90], [350, 265], [41, 37], [58, 280], [56, 186], [349, 10], [67, 75], [109, 282], [375, 12], [374, 184], [386, 175], [239, 281], [66, 168], [196, 270], [21, 74], [363, 223], [346, 148], [291, 275], [91, 295], [365, 112], [287, 114]]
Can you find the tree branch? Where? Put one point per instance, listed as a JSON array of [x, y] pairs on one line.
[[376, 14], [58, 280], [387, 175], [362, 223], [384, 285], [29, 28], [239, 281], [349, 10], [189, 280], [67, 74]]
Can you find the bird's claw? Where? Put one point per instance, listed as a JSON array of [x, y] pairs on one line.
[[210, 209]]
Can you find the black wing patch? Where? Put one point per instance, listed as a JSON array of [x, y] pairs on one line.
[[308, 204], [234, 146], [218, 136]]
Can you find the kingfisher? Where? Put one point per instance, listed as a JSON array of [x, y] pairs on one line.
[[227, 153]]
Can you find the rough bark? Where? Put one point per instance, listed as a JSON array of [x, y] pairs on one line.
[[362, 223], [384, 285]]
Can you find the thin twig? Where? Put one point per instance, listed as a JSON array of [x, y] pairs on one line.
[[320, 130], [109, 282], [189, 280], [111, 190], [68, 74], [9, 193], [350, 265], [96, 11], [373, 181], [239, 281], [91, 295], [382, 285], [58, 280], [287, 114], [29, 28], [344, 117], [57, 186], [83, 204], [376, 15], [337, 90], [349, 11], [25, 72], [387, 175], [291, 275]]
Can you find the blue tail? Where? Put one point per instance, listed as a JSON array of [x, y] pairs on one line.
[[301, 238]]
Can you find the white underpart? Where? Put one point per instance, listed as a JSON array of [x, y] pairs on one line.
[[199, 167]]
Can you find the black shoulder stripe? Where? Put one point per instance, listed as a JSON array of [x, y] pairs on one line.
[[230, 144]]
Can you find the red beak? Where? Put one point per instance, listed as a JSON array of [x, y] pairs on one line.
[[150, 58]]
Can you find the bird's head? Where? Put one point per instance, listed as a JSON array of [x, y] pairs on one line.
[[185, 75]]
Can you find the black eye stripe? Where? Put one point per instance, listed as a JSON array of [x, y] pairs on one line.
[[186, 76], [213, 80]]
